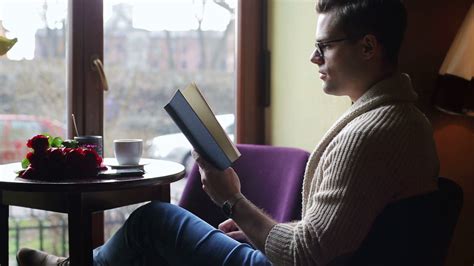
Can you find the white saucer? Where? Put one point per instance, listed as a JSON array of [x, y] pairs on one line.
[[112, 162]]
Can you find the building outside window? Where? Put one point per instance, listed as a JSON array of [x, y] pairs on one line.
[[151, 48]]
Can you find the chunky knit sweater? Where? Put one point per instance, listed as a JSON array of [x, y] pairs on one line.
[[381, 150]]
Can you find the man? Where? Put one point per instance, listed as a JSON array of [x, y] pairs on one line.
[[380, 151]]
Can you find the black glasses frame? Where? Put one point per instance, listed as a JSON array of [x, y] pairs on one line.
[[322, 44]]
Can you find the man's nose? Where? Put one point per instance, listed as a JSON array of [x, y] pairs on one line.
[[316, 58]]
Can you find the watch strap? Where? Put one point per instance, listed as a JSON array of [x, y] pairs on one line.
[[228, 205]]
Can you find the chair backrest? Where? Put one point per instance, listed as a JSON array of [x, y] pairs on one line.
[[413, 231], [271, 177]]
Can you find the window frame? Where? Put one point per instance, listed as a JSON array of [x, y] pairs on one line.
[[85, 95], [252, 71]]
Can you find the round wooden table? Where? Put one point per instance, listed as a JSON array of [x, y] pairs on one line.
[[80, 198]]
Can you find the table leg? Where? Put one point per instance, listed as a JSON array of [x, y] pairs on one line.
[[97, 229], [80, 233], [3, 234], [165, 194]]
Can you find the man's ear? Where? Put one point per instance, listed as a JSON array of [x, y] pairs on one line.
[[370, 46]]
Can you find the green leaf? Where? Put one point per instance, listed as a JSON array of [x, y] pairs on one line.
[[25, 163], [68, 143], [50, 139], [56, 142]]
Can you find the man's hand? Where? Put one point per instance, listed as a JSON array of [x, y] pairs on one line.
[[219, 185], [222, 186], [230, 228]]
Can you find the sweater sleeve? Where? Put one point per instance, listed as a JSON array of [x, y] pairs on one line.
[[359, 171]]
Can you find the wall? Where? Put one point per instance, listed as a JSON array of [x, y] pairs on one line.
[[455, 140], [300, 112], [432, 27]]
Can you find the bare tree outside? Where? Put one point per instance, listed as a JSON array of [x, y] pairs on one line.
[[144, 67], [170, 60], [157, 63]]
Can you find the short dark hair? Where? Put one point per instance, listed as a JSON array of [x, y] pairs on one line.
[[385, 19]]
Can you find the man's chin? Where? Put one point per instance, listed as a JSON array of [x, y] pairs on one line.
[[328, 89]]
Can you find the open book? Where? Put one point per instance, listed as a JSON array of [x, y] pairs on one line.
[[191, 113]]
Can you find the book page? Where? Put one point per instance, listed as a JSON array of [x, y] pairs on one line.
[[205, 114]]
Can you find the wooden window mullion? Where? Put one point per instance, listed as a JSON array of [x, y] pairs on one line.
[[84, 92], [252, 66]]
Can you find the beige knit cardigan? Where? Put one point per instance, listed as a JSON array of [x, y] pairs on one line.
[[379, 151]]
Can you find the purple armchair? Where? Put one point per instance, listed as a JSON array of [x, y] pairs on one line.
[[271, 177]]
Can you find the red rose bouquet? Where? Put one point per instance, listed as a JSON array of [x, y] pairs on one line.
[[52, 158]]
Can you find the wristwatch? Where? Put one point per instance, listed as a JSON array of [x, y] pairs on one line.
[[228, 205]]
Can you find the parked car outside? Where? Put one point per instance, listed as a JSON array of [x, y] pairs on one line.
[[15, 130], [175, 147]]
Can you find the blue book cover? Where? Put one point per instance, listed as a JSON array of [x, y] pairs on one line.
[[207, 139]]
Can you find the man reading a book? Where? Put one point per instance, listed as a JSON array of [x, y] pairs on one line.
[[380, 151]]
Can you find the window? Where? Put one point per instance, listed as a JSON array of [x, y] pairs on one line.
[[33, 101], [40, 81], [195, 37]]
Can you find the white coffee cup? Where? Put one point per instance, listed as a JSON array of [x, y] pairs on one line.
[[128, 151]]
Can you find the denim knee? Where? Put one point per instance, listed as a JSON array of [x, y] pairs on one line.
[[155, 211]]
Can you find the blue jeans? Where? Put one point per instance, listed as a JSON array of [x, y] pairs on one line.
[[164, 234]]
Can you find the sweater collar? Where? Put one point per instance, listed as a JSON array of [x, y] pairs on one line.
[[396, 88]]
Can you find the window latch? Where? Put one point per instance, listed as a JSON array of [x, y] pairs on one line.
[[99, 67]]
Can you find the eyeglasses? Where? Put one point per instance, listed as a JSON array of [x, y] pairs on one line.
[[320, 46]]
